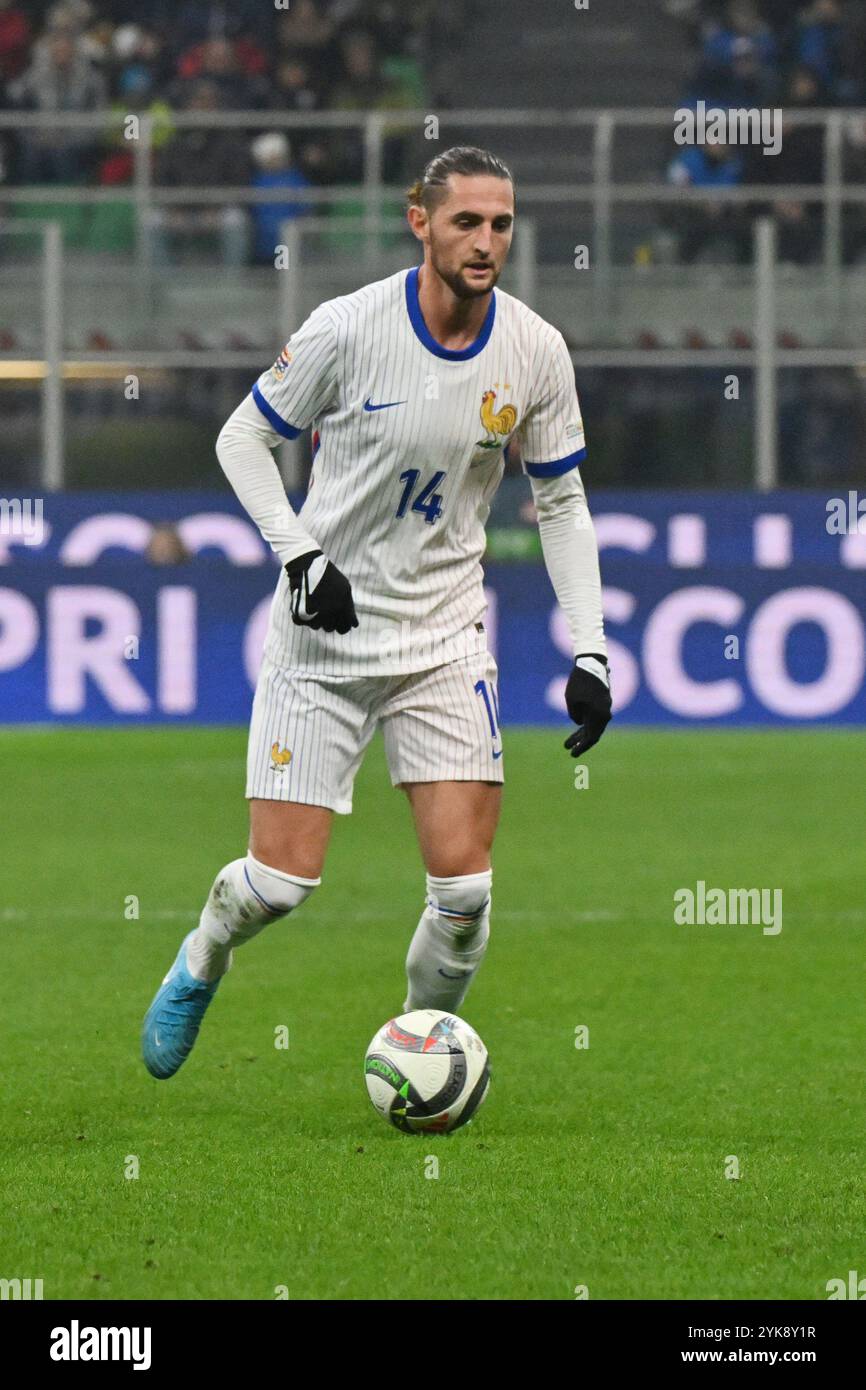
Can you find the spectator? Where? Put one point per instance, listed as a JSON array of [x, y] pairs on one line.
[[713, 224], [272, 155], [800, 160], [62, 79], [135, 96], [820, 40], [362, 86], [392, 23], [740, 58], [296, 91], [195, 21], [234, 69], [74, 14], [14, 39], [305, 31], [206, 158], [318, 160], [779, 14], [138, 61], [749, 41], [742, 29], [75, 18], [741, 84], [295, 88]]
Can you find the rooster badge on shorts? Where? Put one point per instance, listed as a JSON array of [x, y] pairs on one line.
[[280, 757]]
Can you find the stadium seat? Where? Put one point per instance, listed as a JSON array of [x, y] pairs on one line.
[[71, 216], [351, 243], [407, 75], [111, 226]]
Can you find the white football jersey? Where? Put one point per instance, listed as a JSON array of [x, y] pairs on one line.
[[409, 440]]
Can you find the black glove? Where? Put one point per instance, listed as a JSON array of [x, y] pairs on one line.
[[321, 595], [587, 699]]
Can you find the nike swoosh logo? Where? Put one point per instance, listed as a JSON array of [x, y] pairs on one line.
[[461, 976], [498, 755], [388, 405]]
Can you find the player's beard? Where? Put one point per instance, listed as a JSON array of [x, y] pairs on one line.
[[459, 287]]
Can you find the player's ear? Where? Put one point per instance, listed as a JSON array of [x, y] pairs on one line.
[[417, 219]]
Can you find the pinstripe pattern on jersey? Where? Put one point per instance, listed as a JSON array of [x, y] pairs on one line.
[[364, 346]]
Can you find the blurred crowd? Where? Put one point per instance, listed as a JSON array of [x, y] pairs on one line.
[[749, 50], [794, 55], [164, 57], [160, 57]]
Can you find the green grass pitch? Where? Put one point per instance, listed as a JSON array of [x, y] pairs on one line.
[[602, 1167]]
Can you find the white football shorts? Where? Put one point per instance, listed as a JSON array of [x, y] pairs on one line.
[[309, 733]]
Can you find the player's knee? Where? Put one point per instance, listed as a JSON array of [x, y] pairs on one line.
[[297, 858], [463, 900], [277, 891], [289, 837]]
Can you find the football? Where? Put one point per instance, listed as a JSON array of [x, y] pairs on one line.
[[427, 1072]]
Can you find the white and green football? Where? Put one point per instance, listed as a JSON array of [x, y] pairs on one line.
[[427, 1071]]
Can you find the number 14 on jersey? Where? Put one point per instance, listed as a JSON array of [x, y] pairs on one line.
[[428, 501]]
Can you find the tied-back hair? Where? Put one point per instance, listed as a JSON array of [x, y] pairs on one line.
[[430, 190]]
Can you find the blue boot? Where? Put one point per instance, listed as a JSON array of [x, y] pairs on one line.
[[172, 1022]]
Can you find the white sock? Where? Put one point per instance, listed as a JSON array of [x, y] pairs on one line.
[[245, 897], [449, 941]]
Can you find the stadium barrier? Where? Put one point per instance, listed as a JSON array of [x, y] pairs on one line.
[[722, 610], [601, 188]]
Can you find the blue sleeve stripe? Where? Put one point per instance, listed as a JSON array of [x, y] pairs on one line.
[[553, 470], [287, 431]]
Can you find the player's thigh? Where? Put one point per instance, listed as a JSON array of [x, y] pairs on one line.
[[290, 836], [307, 739], [455, 823], [444, 749]]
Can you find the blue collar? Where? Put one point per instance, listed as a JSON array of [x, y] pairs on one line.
[[422, 332]]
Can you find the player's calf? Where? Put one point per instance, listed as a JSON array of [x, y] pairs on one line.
[[246, 896], [449, 942]]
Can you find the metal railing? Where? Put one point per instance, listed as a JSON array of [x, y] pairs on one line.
[[52, 433], [601, 192]]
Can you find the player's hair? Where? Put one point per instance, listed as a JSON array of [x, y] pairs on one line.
[[432, 187]]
